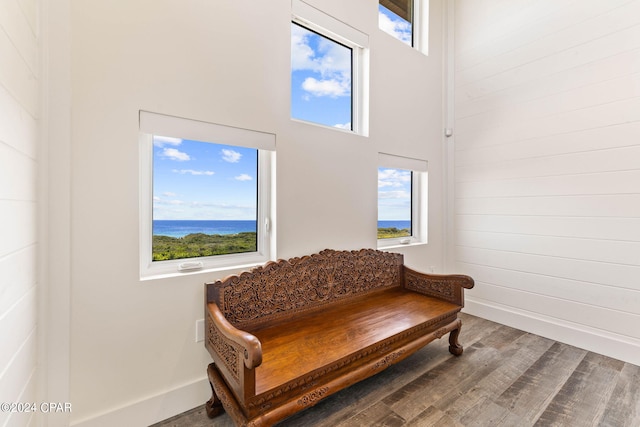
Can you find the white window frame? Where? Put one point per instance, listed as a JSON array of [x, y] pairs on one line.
[[419, 199], [163, 125], [318, 21]]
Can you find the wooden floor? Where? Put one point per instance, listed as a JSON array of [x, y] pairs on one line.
[[505, 377]]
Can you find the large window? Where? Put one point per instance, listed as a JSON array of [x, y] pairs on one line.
[[328, 71], [406, 20], [402, 184], [205, 195], [204, 199]]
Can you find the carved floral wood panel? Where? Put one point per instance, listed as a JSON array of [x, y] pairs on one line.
[[284, 287], [444, 288]]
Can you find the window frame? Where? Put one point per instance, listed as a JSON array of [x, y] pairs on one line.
[[169, 126], [327, 26], [419, 200]]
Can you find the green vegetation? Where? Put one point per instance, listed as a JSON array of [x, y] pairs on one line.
[[200, 244], [391, 232]]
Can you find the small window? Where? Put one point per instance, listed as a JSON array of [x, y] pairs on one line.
[[328, 71], [321, 71], [407, 21], [205, 195], [401, 201], [394, 203], [395, 17]]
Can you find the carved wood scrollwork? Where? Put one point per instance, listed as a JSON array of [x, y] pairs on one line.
[[228, 351], [441, 288], [276, 288], [314, 396], [388, 360]]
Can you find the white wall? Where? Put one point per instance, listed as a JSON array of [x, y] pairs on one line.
[[19, 110], [133, 358], [547, 136]]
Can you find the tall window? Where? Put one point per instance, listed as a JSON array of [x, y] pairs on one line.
[[402, 200], [394, 203], [328, 70], [205, 195], [321, 77]]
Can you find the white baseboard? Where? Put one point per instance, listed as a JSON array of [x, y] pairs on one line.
[[602, 342], [153, 409]]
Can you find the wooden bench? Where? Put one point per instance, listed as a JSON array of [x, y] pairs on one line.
[[290, 333]]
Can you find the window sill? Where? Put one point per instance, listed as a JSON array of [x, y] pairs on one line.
[[208, 270], [396, 245]]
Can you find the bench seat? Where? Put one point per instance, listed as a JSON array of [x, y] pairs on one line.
[[314, 340], [286, 335]]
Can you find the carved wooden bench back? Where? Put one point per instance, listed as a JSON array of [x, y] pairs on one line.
[[281, 288]]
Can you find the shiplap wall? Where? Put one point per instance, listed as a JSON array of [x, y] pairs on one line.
[[547, 167], [19, 104]]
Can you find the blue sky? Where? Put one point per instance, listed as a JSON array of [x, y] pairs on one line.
[[199, 180], [320, 79], [394, 194], [392, 24]]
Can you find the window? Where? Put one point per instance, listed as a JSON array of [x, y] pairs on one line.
[[320, 79], [406, 20], [395, 17], [328, 71], [205, 195], [402, 184]]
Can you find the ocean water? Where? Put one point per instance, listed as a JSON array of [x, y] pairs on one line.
[[180, 228], [397, 224]]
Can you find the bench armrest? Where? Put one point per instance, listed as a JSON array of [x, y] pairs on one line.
[[249, 343], [444, 286]]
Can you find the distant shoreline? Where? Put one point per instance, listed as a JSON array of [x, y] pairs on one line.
[[182, 228], [197, 245]]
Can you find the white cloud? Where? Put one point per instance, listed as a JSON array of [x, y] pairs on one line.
[[161, 141], [192, 172], [175, 154], [301, 53], [393, 178], [395, 195], [343, 126], [231, 156], [243, 177], [332, 87], [157, 202], [169, 194], [329, 60], [399, 28]]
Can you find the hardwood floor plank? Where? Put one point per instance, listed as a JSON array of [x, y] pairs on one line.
[[491, 414], [470, 404], [530, 394], [378, 414], [454, 374], [623, 408], [582, 398], [433, 417]]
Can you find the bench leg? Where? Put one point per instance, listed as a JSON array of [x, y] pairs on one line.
[[455, 347], [213, 405]]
